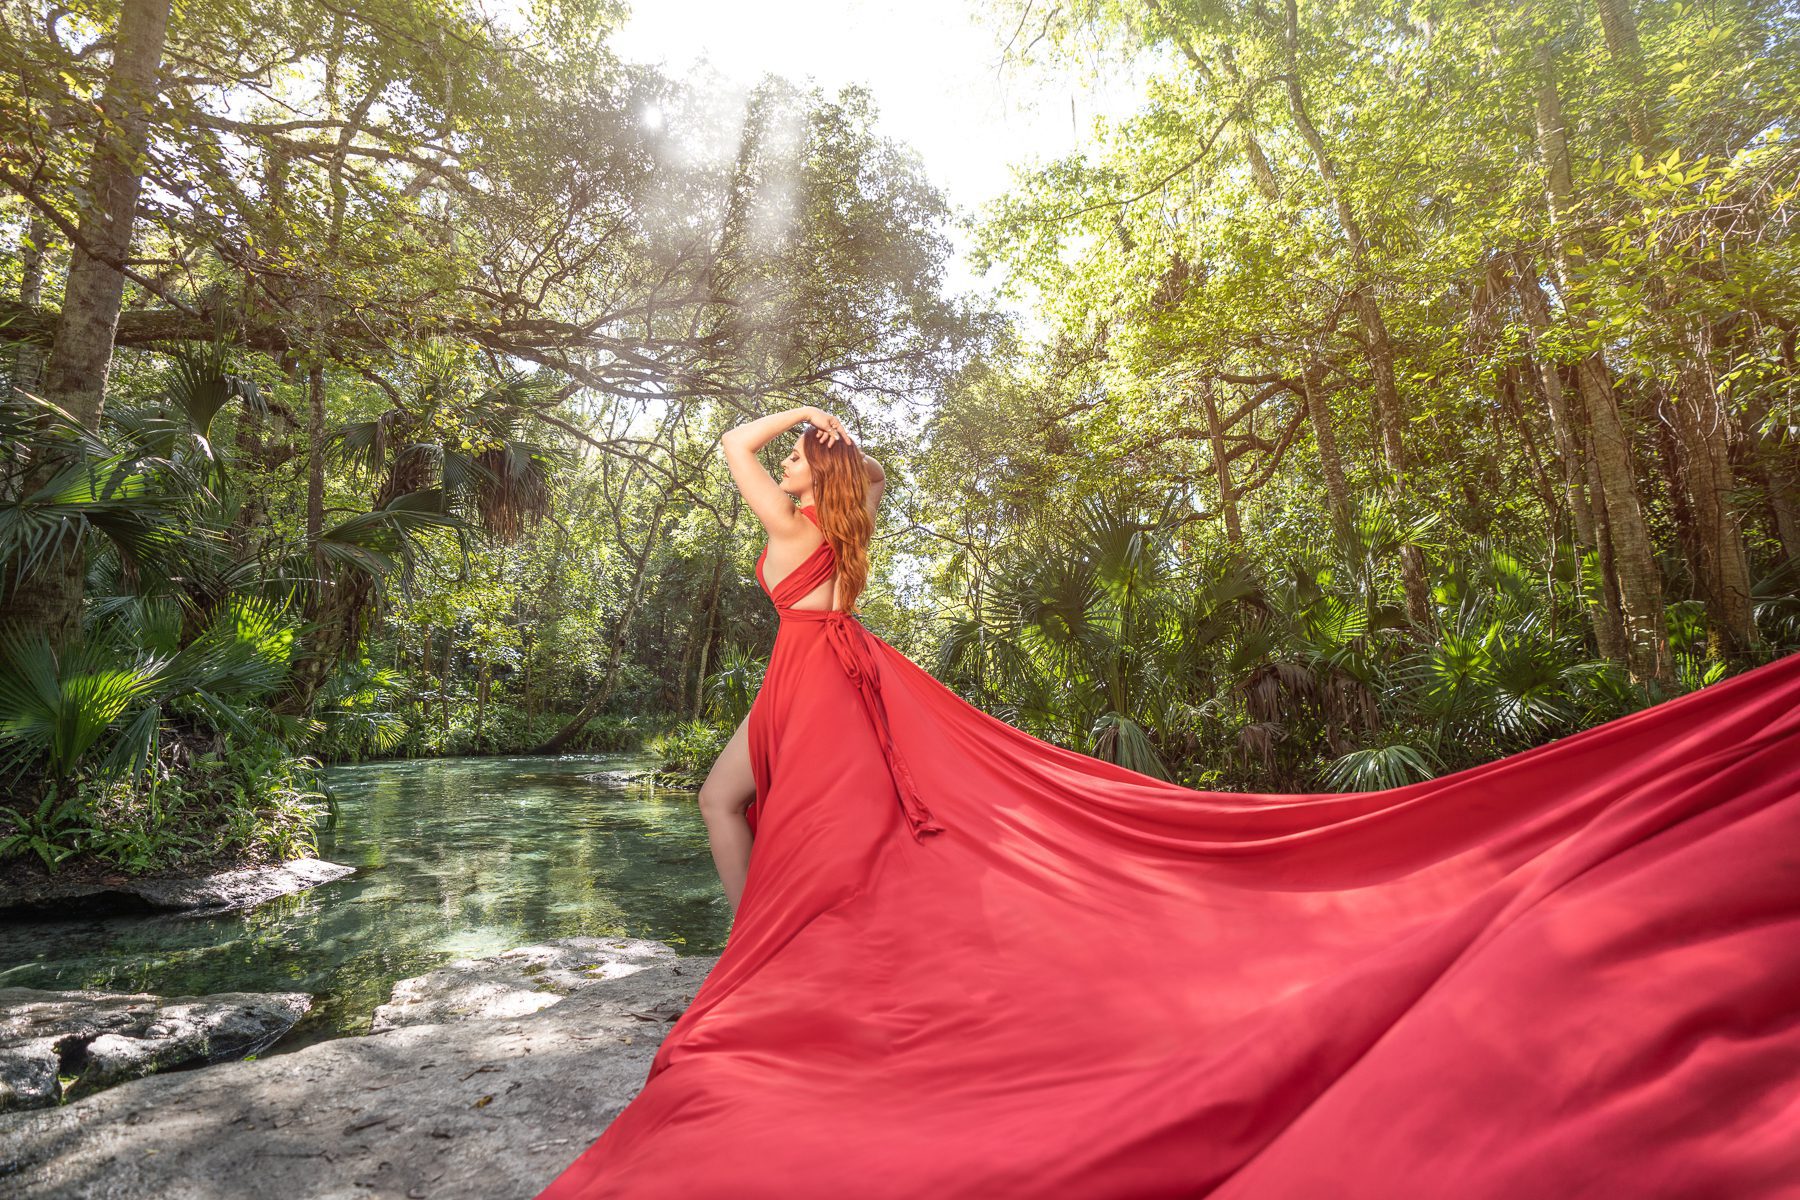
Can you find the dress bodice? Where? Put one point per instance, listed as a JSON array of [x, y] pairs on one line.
[[803, 579]]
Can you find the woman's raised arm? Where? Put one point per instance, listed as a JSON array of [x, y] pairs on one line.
[[740, 443]]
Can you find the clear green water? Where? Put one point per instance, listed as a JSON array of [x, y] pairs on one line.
[[455, 858]]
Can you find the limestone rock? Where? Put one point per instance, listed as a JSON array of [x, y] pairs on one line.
[[515, 983], [221, 891], [103, 1038]]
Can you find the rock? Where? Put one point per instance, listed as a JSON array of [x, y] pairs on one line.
[[103, 1038], [205, 895], [489, 1109], [622, 777], [515, 983]]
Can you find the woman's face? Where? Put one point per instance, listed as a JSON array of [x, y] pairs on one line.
[[796, 475]]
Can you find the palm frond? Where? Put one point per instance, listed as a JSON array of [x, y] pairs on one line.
[[54, 705], [1119, 739], [1378, 768]]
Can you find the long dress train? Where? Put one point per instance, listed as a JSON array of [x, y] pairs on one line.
[[968, 963]]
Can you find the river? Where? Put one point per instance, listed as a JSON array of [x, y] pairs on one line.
[[455, 858]]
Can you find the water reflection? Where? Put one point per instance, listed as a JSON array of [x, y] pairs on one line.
[[455, 858]]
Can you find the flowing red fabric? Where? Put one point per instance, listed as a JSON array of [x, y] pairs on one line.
[[968, 963]]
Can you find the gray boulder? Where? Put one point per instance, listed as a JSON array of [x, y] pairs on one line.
[[102, 1038]]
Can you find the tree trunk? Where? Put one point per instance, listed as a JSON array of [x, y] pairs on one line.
[[712, 614], [28, 360], [315, 466], [1550, 385], [1634, 561], [1609, 626], [1215, 432], [1703, 447], [530, 695], [1631, 556], [1242, 118], [1506, 390], [1780, 458], [1244, 121], [1609, 569], [1318, 412], [1783, 490], [1772, 459], [444, 669], [1379, 346], [481, 702], [1674, 466], [1703, 425], [1619, 25], [82, 347], [325, 604], [252, 437], [339, 601], [28, 365]]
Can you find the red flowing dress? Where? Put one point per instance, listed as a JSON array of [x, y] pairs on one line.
[[1573, 972]]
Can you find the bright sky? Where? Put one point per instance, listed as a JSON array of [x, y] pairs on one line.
[[933, 69]]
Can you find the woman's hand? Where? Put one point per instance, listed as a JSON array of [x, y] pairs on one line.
[[829, 427]]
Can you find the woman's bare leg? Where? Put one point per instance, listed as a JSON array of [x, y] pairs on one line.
[[727, 792]]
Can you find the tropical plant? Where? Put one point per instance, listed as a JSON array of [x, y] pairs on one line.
[[732, 689]]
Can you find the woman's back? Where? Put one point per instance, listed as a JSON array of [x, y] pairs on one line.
[[821, 598]]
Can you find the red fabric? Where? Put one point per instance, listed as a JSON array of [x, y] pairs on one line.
[[1571, 972]]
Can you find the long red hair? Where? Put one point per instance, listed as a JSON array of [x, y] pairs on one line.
[[840, 487]]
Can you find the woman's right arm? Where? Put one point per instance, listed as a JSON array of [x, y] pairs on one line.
[[760, 491]]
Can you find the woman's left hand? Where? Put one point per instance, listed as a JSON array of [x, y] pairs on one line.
[[829, 427]]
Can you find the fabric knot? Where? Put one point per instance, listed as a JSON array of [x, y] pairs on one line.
[[852, 652], [849, 641]]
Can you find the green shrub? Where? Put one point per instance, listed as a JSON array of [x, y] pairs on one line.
[[688, 752]]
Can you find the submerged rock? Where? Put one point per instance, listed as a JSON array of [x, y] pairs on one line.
[[216, 892], [517, 982], [97, 1039], [488, 1108], [622, 777]]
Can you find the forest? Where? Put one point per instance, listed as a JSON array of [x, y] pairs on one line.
[[1401, 385]]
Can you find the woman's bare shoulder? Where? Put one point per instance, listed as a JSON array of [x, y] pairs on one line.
[[794, 527]]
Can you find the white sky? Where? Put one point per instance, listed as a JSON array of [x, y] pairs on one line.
[[932, 68]]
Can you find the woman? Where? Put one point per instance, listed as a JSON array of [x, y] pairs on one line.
[[839, 488], [1571, 972]]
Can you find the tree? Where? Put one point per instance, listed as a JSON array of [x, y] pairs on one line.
[[82, 345]]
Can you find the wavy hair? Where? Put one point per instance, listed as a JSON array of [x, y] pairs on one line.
[[840, 487]]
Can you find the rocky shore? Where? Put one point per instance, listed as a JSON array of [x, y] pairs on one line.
[[485, 1079]]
